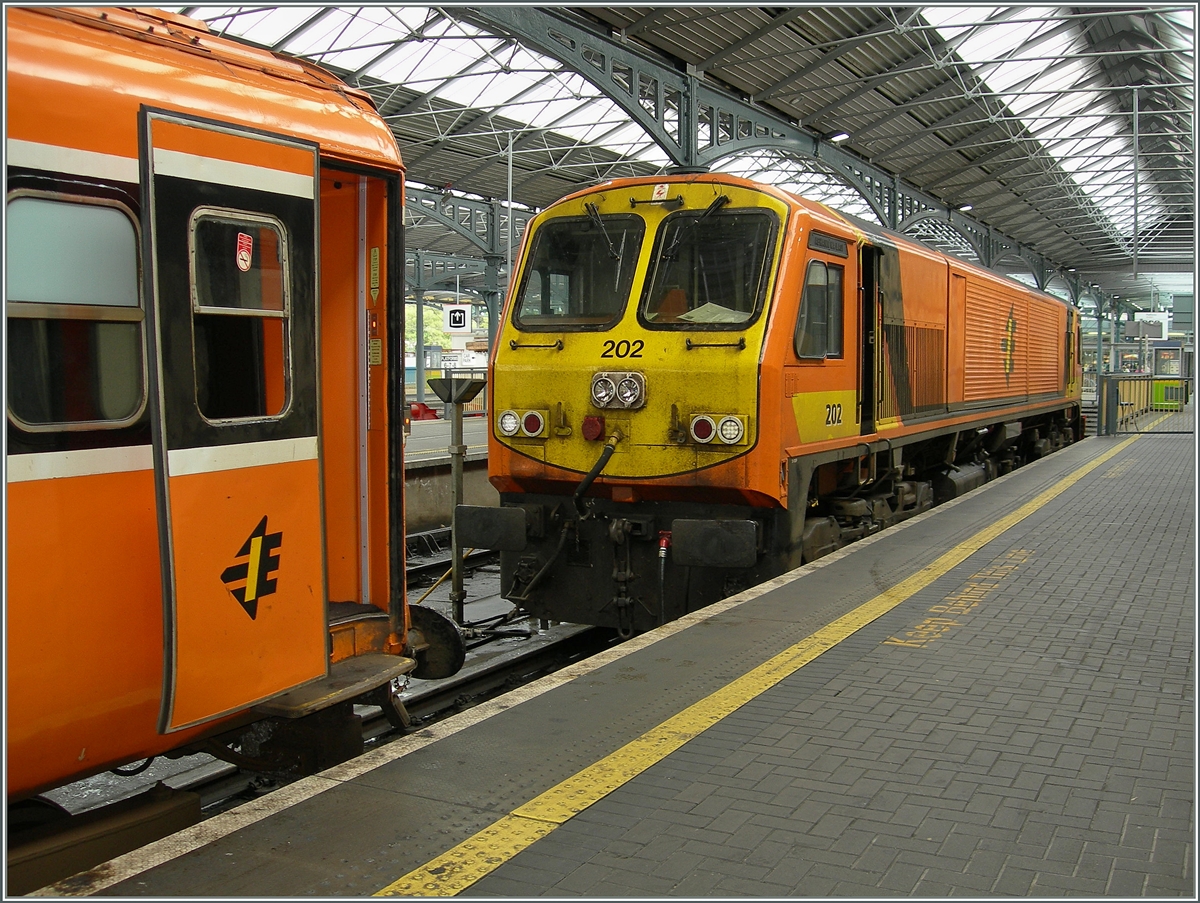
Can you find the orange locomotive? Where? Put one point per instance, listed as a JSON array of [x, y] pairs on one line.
[[204, 476], [744, 380]]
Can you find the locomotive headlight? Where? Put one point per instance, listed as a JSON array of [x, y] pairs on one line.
[[629, 392], [508, 423], [618, 389], [603, 390], [730, 430]]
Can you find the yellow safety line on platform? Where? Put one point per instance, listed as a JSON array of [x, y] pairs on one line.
[[482, 853]]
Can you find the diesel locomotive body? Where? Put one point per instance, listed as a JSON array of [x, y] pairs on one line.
[[204, 323], [701, 382]]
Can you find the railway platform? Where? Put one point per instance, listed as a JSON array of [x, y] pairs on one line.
[[994, 698]]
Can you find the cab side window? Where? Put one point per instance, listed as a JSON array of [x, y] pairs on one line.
[[819, 325], [74, 318]]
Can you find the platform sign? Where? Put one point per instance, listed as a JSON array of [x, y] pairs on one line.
[[1167, 361], [1155, 324], [457, 317]]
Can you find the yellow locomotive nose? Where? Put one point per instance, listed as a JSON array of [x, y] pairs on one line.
[[635, 327], [642, 310]]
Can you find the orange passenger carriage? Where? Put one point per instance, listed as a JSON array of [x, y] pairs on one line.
[[204, 475], [744, 381]]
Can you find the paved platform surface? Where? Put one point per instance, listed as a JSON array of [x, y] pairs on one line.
[[996, 698]]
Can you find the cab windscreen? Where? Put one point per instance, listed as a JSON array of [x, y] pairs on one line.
[[579, 272], [711, 269]]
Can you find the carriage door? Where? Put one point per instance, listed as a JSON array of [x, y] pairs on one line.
[[229, 224], [868, 270]]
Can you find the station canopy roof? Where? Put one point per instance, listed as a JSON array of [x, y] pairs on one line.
[[1068, 129]]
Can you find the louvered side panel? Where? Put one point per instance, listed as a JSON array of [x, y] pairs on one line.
[[994, 365], [1047, 325], [928, 364], [918, 360], [887, 408]]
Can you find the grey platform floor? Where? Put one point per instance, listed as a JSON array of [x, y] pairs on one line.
[[1022, 725]]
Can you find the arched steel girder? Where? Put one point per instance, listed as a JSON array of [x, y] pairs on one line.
[[482, 223], [485, 224], [426, 270], [697, 124]]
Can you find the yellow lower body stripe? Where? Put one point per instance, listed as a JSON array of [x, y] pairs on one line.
[[490, 848]]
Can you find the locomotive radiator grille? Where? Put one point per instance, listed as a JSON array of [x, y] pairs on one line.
[[918, 370]]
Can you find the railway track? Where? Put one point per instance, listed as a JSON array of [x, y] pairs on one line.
[[73, 828], [429, 557]]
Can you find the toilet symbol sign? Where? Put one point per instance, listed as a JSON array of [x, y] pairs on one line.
[[458, 318]]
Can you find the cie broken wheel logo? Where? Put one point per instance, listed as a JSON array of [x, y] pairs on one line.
[[1008, 345], [250, 580]]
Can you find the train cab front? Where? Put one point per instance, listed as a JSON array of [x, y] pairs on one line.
[[625, 402]]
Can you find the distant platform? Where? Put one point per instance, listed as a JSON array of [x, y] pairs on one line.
[[429, 443]]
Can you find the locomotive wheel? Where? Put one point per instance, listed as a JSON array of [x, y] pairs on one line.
[[444, 651]]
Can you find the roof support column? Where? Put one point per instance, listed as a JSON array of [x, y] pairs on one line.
[[419, 341], [1135, 181], [493, 294]]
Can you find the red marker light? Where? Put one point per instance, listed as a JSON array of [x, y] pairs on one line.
[[593, 427], [703, 428], [532, 424]]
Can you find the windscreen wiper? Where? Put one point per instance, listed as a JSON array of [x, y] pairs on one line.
[[594, 214], [717, 204]]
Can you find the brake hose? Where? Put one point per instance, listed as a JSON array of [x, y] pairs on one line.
[[609, 447]]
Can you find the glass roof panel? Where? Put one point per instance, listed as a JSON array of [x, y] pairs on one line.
[[425, 50], [801, 176], [1048, 77], [438, 79], [258, 24]]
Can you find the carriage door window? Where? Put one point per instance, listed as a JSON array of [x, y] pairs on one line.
[[74, 320], [819, 326], [240, 314]]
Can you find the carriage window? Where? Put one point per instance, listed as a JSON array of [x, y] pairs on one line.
[[711, 269], [579, 272], [240, 314], [74, 320], [819, 326]]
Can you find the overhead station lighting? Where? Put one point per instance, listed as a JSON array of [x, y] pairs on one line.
[[840, 137]]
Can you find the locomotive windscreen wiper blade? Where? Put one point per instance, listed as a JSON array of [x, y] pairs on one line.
[[717, 204], [594, 214]]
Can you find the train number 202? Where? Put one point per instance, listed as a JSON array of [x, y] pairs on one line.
[[623, 348], [833, 414]]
